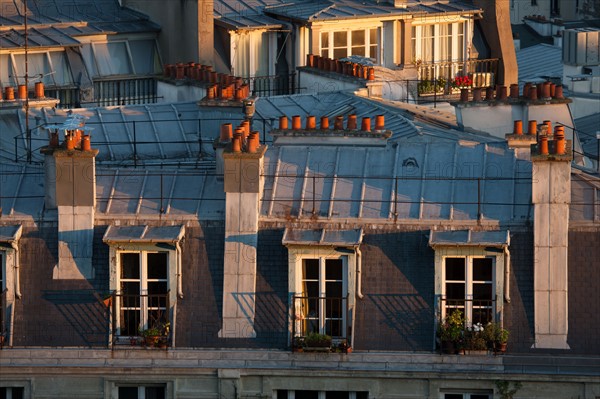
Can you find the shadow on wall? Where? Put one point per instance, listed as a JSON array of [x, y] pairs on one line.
[[397, 311], [84, 320]]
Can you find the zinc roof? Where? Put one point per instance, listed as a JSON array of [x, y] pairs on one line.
[[539, 63]]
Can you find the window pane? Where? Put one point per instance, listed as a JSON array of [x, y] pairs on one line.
[[453, 396], [37, 65], [373, 36], [157, 288], [358, 38], [340, 39], [482, 269], [482, 291], [334, 290], [455, 291], [155, 392], [130, 321], [307, 394], [144, 55], [130, 288], [334, 269], [130, 265], [337, 395], [340, 53], [310, 269], [324, 40], [157, 265], [455, 269], [60, 68], [128, 393], [358, 51], [479, 396], [6, 71], [112, 58], [88, 59]]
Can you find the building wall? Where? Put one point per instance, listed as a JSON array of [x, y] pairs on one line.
[[397, 311]]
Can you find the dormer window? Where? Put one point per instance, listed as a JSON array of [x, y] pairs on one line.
[[145, 279]]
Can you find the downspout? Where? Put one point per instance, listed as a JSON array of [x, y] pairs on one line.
[[506, 281], [359, 293], [178, 257], [15, 246]]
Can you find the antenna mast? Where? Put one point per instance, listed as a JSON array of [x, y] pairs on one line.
[[27, 131]]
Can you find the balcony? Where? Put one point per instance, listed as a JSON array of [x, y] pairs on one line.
[[483, 72], [317, 317], [140, 319]]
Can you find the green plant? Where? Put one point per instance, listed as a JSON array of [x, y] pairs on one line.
[[452, 328], [505, 391], [502, 335], [314, 339]]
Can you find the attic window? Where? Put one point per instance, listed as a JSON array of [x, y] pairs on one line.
[[410, 163]]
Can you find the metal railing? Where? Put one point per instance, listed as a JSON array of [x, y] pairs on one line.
[[448, 70], [125, 91], [474, 311], [69, 97], [276, 85], [325, 315], [127, 320]]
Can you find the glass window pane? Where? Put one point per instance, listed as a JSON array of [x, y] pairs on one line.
[[453, 396], [334, 269], [455, 291], [324, 40], [337, 395], [130, 265], [130, 288], [310, 269], [144, 55], [61, 72], [157, 288], [311, 289], [307, 394], [482, 291], [333, 290], [358, 51], [130, 322], [482, 269], [38, 68], [157, 265], [340, 39], [373, 36], [358, 38], [128, 393], [112, 59], [455, 269], [88, 59], [155, 392], [479, 396], [340, 53]]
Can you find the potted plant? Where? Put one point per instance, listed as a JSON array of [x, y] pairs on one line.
[[317, 342], [154, 334], [450, 332], [501, 340]]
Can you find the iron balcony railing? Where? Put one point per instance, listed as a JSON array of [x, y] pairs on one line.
[[475, 311], [132, 314], [275, 85], [323, 314], [482, 72], [126, 91]]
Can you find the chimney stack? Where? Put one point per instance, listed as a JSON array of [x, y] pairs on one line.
[[551, 196], [70, 185], [243, 185]]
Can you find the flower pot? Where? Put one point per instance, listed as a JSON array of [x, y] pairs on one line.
[[448, 347], [500, 347]]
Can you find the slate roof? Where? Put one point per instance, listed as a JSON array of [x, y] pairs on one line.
[[351, 9], [587, 129], [51, 21], [539, 62]]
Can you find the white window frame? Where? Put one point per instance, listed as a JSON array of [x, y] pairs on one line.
[[499, 258], [173, 280], [297, 254], [111, 387], [143, 281], [291, 394], [367, 31], [468, 282], [416, 41]]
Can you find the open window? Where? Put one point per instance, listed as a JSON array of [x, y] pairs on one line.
[[469, 273], [9, 279], [145, 280], [322, 284]]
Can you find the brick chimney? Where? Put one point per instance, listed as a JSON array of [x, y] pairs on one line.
[[243, 183], [70, 188], [551, 195]]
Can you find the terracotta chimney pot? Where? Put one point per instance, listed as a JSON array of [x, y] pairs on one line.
[[324, 123], [283, 122], [559, 140], [311, 122], [514, 91], [226, 132], [558, 92], [532, 128], [380, 122], [22, 92], [296, 122], [464, 95], [338, 124], [476, 94], [351, 124], [543, 145], [365, 124], [39, 90], [518, 127], [86, 144]]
